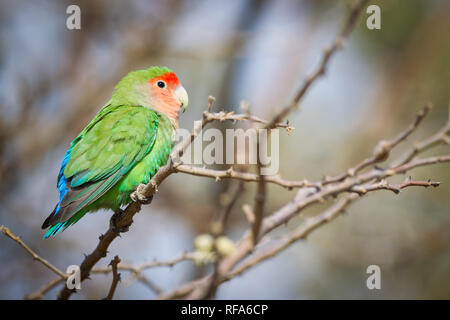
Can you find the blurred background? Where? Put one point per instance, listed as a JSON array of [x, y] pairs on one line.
[[53, 81]]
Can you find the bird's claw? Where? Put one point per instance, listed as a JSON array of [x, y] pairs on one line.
[[146, 200], [137, 196], [114, 220]]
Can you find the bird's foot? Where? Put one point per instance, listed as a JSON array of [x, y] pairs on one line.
[[114, 222], [137, 196]]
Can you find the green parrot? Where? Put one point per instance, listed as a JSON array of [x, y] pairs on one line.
[[126, 143]]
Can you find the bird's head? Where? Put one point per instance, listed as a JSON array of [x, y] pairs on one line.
[[157, 88]]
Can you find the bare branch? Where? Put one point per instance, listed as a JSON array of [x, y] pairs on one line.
[[5, 230], [300, 232], [244, 176], [135, 269], [320, 71], [116, 278], [260, 200], [119, 222], [39, 294], [439, 137], [228, 201], [382, 150], [196, 288], [231, 116], [148, 283], [187, 256], [384, 185], [312, 223]]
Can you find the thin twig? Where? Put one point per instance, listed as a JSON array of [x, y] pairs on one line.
[[384, 185], [116, 278], [135, 269], [244, 176], [5, 230], [228, 200], [382, 150], [147, 265], [39, 294], [231, 116], [218, 229], [260, 198], [320, 71], [440, 137], [148, 283], [119, 222]]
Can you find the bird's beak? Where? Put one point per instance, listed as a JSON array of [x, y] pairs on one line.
[[182, 96]]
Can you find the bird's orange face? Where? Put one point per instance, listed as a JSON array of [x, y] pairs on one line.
[[168, 95]]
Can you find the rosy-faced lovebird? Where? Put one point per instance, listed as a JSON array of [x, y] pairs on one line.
[[126, 143]]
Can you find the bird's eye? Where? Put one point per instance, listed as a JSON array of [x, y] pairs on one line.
[[161, 84]]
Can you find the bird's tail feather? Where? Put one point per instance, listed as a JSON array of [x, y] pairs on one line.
[[54, 229], [46, 223]]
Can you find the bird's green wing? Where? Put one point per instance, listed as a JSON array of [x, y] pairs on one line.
[[103, 153]]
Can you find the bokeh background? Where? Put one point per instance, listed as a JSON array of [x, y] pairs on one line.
[[53, 80]]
